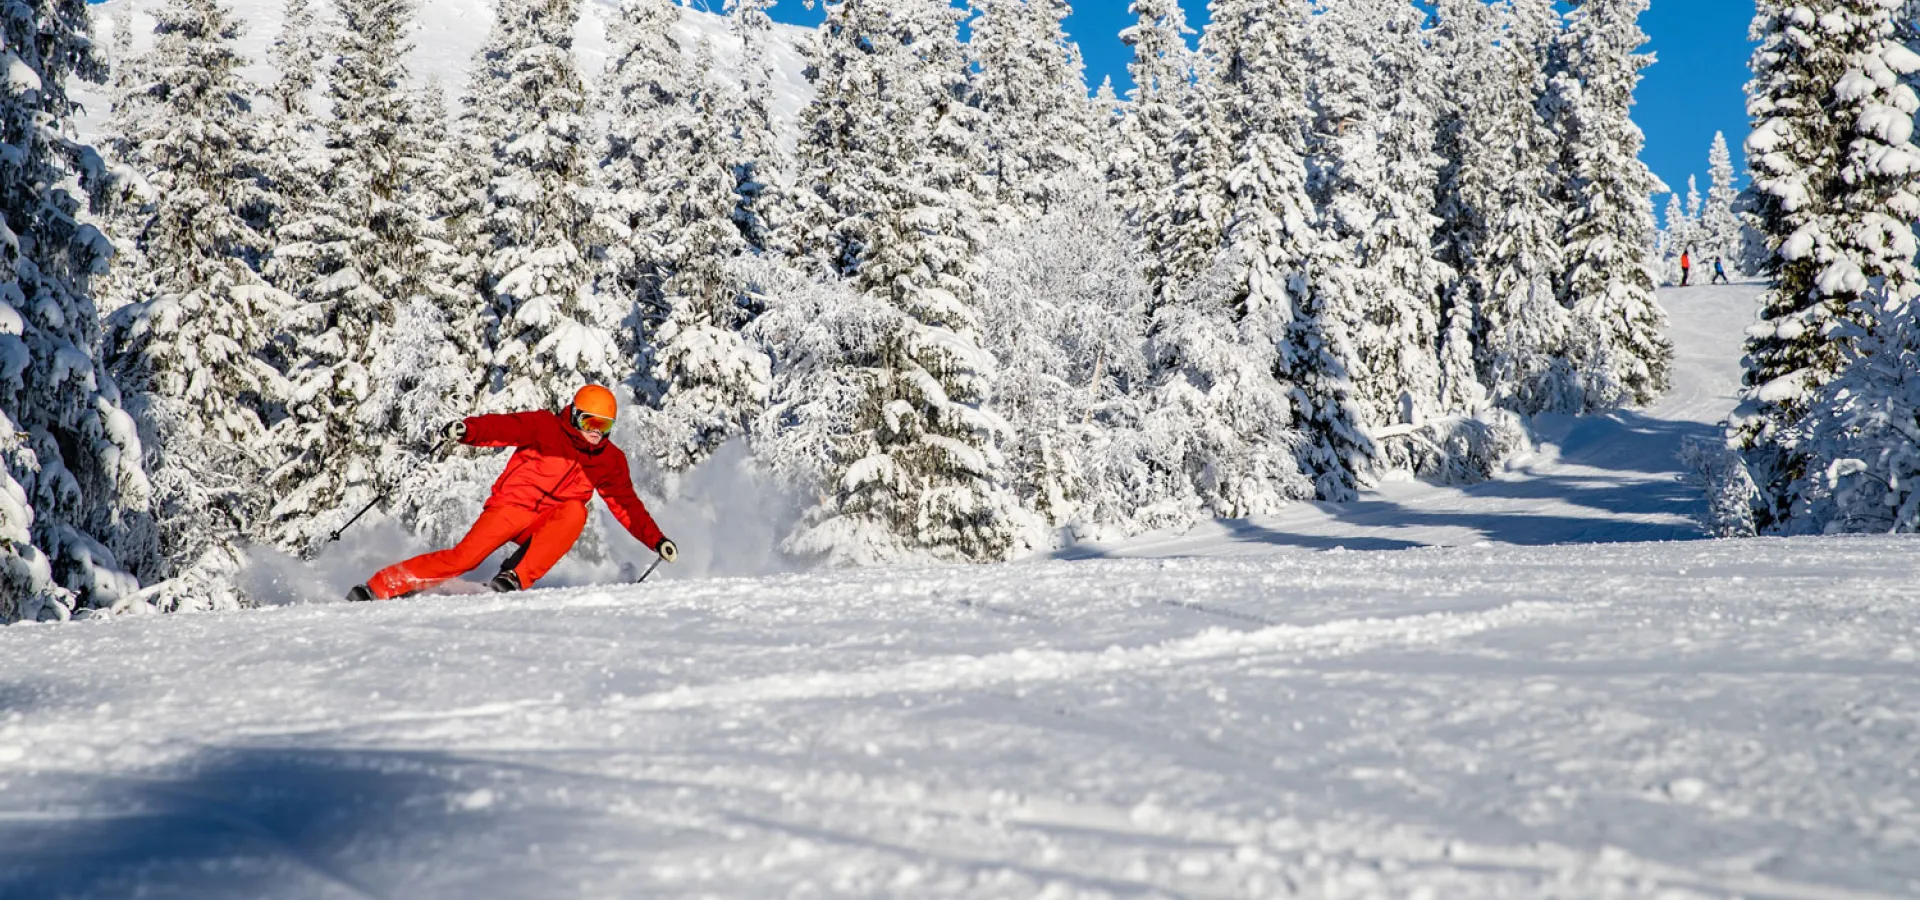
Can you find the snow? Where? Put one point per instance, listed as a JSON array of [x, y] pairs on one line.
[[445, 36], [1231, 713], [21, 78]]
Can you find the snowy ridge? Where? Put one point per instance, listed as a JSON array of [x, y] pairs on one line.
[[1237, 717]]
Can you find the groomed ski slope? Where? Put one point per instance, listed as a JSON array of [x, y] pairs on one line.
[[1229, 714]]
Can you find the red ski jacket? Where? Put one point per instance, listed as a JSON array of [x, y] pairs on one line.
[[555, 465]]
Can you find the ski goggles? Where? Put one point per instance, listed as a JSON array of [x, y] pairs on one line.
[[593, 423]]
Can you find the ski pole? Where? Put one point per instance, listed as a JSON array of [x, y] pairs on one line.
[[376, 501], [656, 564]]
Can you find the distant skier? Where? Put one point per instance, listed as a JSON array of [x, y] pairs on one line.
[[1686, 266], [539, 502], [1719, 272]]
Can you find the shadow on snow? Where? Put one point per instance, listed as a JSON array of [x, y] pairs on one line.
[[246, 823], [1643, 450]]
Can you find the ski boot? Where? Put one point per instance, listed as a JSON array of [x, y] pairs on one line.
[[360, 594], [506, 582]]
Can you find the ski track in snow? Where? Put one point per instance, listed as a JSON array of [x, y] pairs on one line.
[[1229, 713]]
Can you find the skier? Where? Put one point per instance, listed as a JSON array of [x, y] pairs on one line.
[[539, 502], [1686, 266], [1719, 272]]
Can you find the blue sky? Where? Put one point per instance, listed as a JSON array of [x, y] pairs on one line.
[[1694, 89]]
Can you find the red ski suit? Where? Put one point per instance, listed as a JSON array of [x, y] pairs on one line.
[[539, 502]]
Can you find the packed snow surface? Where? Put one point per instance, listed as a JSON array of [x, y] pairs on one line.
[[1240, 712]]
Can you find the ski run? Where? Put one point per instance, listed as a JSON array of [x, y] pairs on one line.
[[1346, 511], [1430, 692]]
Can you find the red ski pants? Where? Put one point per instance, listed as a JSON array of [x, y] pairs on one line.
[[545, 538]]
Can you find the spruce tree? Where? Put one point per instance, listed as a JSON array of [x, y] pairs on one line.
[[679, 185], [1618, 337], [1721, 226], [1153, 130], [887, 150], [1674, 238], [365, 402], [761, 188], [1833, 165], [1462, 35], [1696, 218], [1375, 178], [288, 135], [548, 330], [1030, 85], [481, 115], [1225, 341], [190, 350], [74, 530], [1864, 436], [646, 90], [405, 257], [295, 56], [1522, 346], [127, 193], [706, 382]]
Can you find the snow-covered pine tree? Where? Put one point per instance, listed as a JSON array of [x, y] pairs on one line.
[[706, 382], [1462, 35], [435, 195], [480, 116], [1188, 235], [125, 194], [1833, 172], [73, 496], [645, 90], [886, 150], [1225, 339], [1619, 343], [1721, 236], [119, 45], [1675, 237], [188, 350], [288, 135], [1523, 338], [549, 331], [1153, 129], [680, 193], [426, 355], [364, 400], [1696, 213], [1107, 109], [1375, 173], [1864, 436], [1030, 85], [295, 56], [760, 166]]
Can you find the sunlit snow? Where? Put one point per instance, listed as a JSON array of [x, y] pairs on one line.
[[1328, 702]]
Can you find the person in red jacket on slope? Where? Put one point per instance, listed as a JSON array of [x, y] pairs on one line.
[[539, 502]]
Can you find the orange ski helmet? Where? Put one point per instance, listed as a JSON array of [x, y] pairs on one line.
[[595, 400]]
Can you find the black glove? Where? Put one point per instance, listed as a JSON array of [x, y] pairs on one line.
[[456, 430], [667, 550]]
